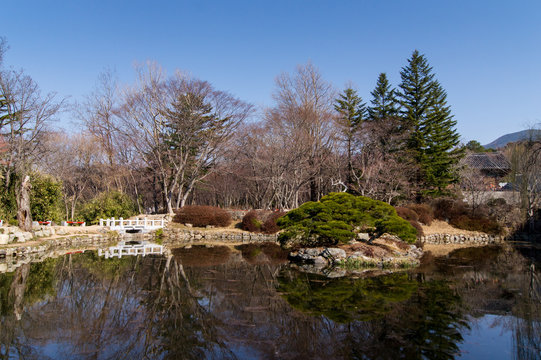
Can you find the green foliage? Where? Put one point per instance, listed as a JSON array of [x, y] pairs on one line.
[[41, 281], [352, 112], [427, 119], [8, 203], [158, 237], [344, 300], [397, 225], [39, 284], [106, 205], [384, 102], [46, 198], [6, 279], [476, 147], [103, 268], [336, 217]]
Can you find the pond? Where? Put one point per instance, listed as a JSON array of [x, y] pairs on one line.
[[247, 302]]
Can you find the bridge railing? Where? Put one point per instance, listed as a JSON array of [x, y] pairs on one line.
[[144, 223]]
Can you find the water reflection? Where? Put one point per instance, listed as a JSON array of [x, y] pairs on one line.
[[131, 248], [246, 302]]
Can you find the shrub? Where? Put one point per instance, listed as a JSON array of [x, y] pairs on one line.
[[202, 216], [106, 205], [250, 222], [485, 225], [447, 209], [270, 225], [417, 227], [424, 212], [407, 213], [46, 198], [261, 221], [398, 226], [337, 217]]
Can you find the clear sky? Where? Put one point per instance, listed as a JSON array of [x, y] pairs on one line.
[[486, 54]]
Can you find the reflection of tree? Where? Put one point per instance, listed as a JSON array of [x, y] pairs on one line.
[[391, 316], [161, 307], [503, 282], [345, 299]]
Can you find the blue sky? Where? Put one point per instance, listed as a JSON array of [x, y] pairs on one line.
[[486, 54]]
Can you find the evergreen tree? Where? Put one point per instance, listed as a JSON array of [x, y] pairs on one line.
[[427, 119], [384, 102], [441, 153], [352, 111]]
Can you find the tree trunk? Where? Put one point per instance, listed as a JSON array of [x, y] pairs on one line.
[[23, 205]]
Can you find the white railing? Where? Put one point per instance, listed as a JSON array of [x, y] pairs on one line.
[[136, 224], [124, 249]]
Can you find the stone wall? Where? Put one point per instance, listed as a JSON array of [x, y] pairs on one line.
[[173, 236], [482, 239]]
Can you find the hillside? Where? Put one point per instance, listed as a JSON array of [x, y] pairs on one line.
[[512, 137]]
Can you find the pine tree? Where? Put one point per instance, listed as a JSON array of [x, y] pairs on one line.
[[427, 119], [384, 102], [441, 153], [352, 111]]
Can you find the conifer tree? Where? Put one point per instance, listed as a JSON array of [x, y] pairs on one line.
[[352, 111], [427, 119], [384, 102]]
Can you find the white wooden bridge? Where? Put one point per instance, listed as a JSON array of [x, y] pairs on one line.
[[136, 225], [131, 248]]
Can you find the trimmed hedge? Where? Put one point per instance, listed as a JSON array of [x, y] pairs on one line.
[[337, 217], [202, 216]]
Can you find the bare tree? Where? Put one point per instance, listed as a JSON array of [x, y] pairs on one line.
[[304, 115], [78, 161], [525, 159], [178, 127], [473, 184], [28, 113]]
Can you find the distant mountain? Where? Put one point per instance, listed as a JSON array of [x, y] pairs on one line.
[[516, 136]]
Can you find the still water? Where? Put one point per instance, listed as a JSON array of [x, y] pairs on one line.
[[249, 303]]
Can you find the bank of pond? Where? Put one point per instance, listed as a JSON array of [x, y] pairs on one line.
[[249, 302]]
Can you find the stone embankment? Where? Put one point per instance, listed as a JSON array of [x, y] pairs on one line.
[[14, 256], [481, 239], [176, 236]]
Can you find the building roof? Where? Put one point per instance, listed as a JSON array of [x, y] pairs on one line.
[[488, 161]]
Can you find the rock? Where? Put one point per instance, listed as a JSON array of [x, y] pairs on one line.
[[363, 236], [334, 253], [320, 260], [188, 225], [311, 251], [335, 272], [4, 239]]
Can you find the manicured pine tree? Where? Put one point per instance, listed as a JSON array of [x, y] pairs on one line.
[[384, 102], [427, 119], [352, 112]]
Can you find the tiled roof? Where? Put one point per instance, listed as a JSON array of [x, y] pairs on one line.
[[487, 161]]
